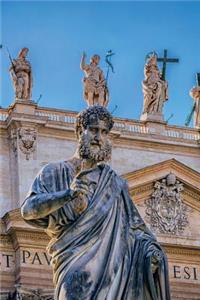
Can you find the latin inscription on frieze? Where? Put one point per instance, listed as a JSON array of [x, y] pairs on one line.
[[27, 257], [35, 258], [186, 273], [40, 259], [7, 261]]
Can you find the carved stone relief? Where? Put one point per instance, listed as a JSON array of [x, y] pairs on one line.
[[27, 140], [165, 210], [28, 294]]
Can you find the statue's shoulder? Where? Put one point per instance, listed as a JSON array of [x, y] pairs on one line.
[[121, 181], [54, 167]]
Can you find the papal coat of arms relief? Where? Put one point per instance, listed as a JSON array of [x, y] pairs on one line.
[[165, 210], [27, 140]]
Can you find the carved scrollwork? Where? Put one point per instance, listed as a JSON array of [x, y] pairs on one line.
[[21, 293], [27, 140], [165, 210]]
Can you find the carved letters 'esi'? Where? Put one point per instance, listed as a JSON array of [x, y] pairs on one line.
[[165, 210]]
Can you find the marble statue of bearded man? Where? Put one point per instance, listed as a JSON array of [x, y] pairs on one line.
[[100, 247]]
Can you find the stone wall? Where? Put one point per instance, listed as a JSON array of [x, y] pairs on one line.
[[136, 145]]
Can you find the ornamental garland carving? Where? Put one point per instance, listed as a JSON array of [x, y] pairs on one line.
[[27, 140], [165, 210], [29, 294]]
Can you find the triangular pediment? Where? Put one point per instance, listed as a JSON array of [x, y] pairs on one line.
[[160, 170], [142, 186], [142, 180]]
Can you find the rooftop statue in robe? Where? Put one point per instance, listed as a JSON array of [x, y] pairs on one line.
[[94, 82], [100, 247], [195, 94], [21, 75], [155, 89]]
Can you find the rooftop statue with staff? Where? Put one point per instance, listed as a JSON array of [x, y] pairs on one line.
[[95, 84]]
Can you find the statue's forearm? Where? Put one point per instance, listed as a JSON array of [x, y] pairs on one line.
[[40, 205]]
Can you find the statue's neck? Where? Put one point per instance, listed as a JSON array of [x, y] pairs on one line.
[[88, 164]]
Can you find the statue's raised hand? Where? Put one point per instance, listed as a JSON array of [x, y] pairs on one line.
[[79, 187], [80, 192]]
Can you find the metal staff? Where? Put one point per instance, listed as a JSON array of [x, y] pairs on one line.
[[189, 117], [11, 60], [109, 55]]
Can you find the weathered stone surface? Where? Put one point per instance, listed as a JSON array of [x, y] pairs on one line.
[[148, 156], [97, 234]]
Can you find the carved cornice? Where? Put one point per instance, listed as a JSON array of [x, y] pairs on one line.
[[181, 250], [192, 194], [19, 233], [5, 239], [141, 189], [150, 144], [66, 134]]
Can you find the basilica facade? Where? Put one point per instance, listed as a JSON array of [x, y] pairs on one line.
[[160, 162]]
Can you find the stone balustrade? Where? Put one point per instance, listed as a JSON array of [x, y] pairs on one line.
[[3, 114], [121, 125], [182, 133]]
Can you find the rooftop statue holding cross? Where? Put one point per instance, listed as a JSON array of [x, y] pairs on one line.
[[155, 87]]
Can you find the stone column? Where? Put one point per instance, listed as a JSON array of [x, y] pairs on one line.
[[22, 133]]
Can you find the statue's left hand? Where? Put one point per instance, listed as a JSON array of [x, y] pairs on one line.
[[156, 258]]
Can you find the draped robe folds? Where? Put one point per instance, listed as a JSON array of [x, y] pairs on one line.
[[104, 253]]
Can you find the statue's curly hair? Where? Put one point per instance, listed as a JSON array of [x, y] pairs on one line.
[[92, 113]]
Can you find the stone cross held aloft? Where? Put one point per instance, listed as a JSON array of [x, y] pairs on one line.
[[165, 60], [198, 79]]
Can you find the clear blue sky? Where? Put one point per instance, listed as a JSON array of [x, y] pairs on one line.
[[57, 32]]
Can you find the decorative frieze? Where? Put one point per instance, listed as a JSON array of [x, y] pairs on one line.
[[23, 293]]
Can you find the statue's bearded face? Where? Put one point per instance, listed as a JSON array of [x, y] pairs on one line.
[[94, 143]]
